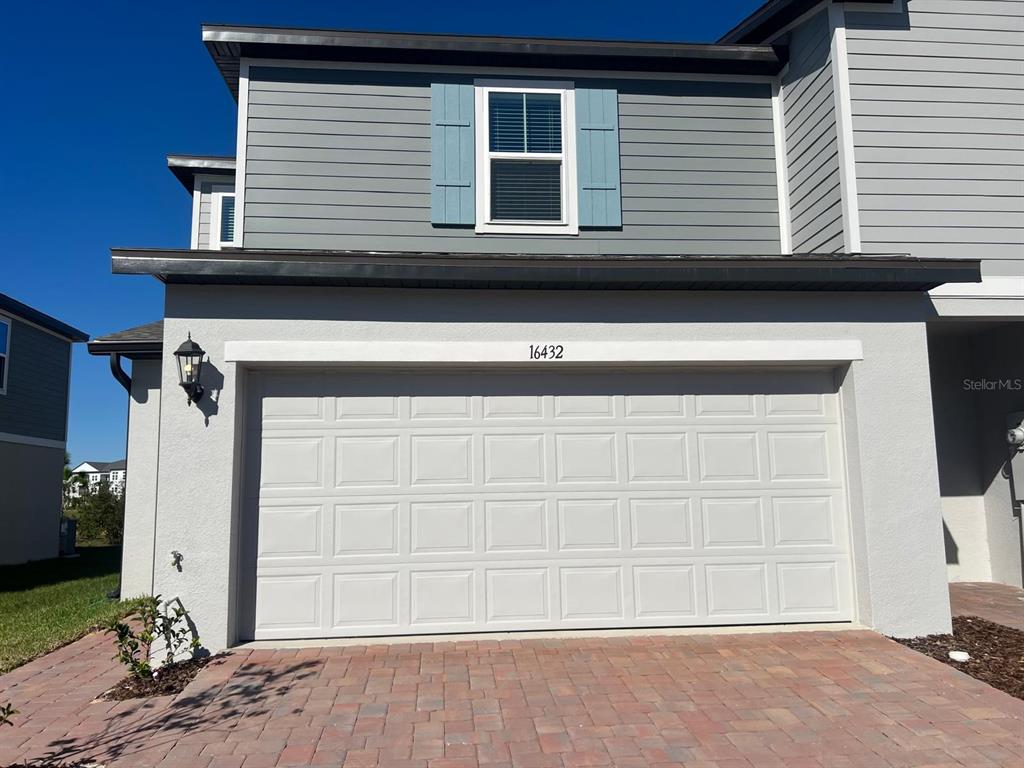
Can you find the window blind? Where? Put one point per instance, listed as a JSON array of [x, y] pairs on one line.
[[227, 218], [525, 122], [526, 190]]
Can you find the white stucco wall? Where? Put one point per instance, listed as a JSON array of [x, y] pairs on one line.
[[900, 575], [140, 488]]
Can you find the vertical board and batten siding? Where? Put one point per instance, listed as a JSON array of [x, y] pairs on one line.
[[453, 167], [938, 116], [206, 190], [36, 403], [340, 159], [597, 148], [812, 151]]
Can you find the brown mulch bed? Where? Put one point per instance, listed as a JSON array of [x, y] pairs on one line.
[[997, 652], [169, 680]]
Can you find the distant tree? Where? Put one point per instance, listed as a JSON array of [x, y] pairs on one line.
[[74, 486], [100, 515]]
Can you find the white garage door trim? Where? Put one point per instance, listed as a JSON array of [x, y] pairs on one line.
[[424, 551], [746, 352]]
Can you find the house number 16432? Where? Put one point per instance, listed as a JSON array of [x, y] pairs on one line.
[[546, 351]]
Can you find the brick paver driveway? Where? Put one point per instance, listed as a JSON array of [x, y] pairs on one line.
[[1000, 603], [782, 699]]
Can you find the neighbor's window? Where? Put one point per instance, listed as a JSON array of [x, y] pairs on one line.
[[5, 346], [222, 224], [525, 173]]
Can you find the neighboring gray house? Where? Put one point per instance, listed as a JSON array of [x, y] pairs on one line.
[[35, 378], [509, 334]]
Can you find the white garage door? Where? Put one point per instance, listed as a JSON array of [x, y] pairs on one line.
[[402, 502]]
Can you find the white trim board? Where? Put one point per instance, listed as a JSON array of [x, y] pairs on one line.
[[518, 352], [781, 166], [197, 202], [844, 130], [240, 146], [39, 442]]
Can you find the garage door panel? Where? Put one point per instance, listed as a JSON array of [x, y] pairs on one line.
[[489, 526], [368, 599], [427, 503]]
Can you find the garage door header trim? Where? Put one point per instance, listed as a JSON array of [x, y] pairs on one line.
[[519, 352]]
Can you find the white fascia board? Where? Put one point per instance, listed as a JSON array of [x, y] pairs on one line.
[[519, 352]]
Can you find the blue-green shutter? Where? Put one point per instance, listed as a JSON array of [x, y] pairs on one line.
[[597, 157], [452, 166]]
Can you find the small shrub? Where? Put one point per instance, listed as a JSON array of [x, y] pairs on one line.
[[7, 711], [167, 621], [100, 515]]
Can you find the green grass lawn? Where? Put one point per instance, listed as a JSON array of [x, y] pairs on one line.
[[49, 603]]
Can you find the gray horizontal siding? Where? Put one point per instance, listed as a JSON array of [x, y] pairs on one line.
[[938, 115], [341, 160], [812, 155], [206, 190], [36, 403]]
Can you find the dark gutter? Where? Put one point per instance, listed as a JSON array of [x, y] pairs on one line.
[[25, 312], [134, 350], [826, 272], [773, 16], [227, 44], [186, 167], [119, 373]]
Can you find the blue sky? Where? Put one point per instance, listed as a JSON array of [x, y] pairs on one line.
[[98, 93]]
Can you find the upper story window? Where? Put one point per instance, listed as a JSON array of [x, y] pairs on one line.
[[222, 220], [525, 158], [5, 346]]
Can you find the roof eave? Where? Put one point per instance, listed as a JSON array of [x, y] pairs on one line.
[[17, 309], [773, 16], [186, 167], [828, 272], [227, 44], [133, 350]]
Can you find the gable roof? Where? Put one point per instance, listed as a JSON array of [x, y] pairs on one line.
[[227, 44], [14, 307], [100, 466]]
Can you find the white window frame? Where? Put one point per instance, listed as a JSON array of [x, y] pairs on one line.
[[569, 224], [6, 354], [216, 243]]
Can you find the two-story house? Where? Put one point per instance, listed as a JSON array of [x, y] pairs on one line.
[[516, 334], [93, 473], [35, 381]]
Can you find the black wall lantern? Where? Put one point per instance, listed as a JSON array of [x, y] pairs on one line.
[[190, 367]]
